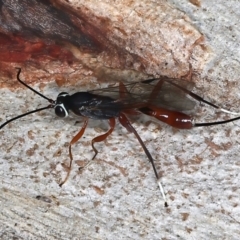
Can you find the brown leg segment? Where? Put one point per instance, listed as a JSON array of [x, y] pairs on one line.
[[155, 91], [74, 140], [125, 122], [122, 90], [101, 138]]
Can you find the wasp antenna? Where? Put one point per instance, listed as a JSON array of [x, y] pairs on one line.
[[52, 102], [23, 115], [23, 83]]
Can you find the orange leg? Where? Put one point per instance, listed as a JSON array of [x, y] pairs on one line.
[[74, 140], [104, 136]]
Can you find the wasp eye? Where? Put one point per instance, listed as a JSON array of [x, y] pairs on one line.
[[60, 111]]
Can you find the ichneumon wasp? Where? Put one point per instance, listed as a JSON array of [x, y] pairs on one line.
[[162, 98]]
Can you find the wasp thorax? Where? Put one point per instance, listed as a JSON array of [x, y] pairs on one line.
[[61, 109]]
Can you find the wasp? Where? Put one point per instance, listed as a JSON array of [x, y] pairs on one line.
[[163, 98]]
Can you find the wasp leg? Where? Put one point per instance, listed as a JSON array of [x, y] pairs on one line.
[[125, 123], [74, 140], [101, 138]]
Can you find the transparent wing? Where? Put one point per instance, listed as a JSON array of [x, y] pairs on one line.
[[161, 92]]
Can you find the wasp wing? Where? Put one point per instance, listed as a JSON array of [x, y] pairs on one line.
[[161, 92]]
